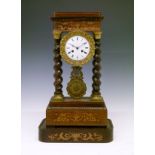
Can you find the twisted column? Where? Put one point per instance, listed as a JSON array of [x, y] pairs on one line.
[[96, 95], [58, 94]]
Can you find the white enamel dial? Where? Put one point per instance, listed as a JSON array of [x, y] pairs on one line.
[[77, 48]]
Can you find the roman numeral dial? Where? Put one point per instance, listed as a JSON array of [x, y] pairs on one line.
[[77, 48]]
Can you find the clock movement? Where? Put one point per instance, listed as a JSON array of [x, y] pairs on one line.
[[76, 117]]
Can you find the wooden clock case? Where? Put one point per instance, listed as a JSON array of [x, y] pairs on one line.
[[76, 120]]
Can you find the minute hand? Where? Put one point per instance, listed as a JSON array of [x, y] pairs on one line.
[[81, 45]]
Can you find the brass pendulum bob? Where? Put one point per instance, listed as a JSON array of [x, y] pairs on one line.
[[76, 87]]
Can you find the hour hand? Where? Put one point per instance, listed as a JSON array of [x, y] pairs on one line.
[[73, 45]]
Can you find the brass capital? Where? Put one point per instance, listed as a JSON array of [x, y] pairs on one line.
[[98, 35], [56, 34]]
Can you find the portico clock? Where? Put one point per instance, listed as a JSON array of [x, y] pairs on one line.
[[77, 117]]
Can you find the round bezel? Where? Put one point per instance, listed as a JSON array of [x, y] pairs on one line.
[[64, 40]]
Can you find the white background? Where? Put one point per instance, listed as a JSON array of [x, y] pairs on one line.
[[10, 95]]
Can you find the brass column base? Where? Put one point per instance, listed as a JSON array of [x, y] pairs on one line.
[[76, 134]]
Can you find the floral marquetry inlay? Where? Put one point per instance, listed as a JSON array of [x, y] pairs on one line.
[[76, 117], [72, 25], [75, 137]]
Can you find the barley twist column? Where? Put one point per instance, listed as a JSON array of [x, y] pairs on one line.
[[58, 94], [96, 94]]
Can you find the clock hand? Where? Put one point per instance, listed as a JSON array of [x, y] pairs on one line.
[[82, 45], [73, 46]]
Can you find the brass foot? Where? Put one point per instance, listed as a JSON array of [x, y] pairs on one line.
[[57, 98], [96, 98]]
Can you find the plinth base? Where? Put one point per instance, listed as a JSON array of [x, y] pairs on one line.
[[76, 134], [76, 112]]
